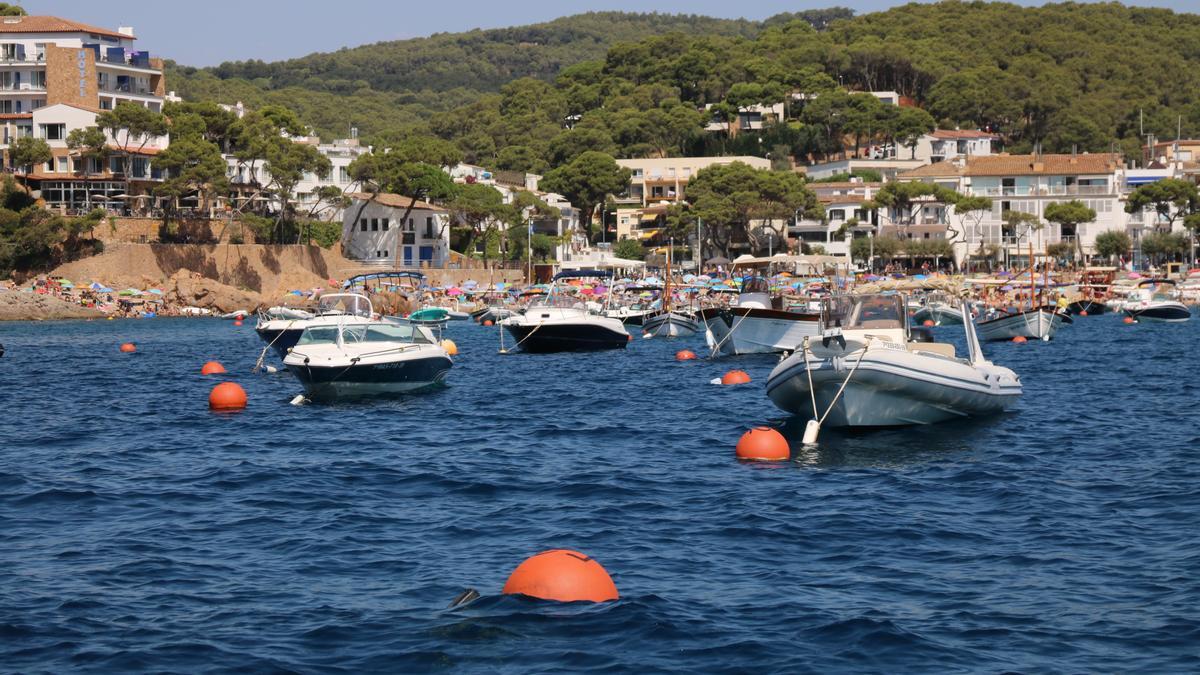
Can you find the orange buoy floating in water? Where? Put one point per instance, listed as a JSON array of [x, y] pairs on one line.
[[450, 347], [763, 443], [928, 323], [685, 355], [562, 575], [735, 377], [212, 368], [1128, 319], [128, 348], [237, 322], [227, 396], [1083, 312], [487, 322], [1020, 339]]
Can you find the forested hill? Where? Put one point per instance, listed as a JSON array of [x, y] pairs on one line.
[[401, 80]]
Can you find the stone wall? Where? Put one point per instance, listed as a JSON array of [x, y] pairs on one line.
[[148, 230]]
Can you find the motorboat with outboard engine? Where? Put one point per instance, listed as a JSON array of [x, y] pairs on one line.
[[281, 334], [342, 359], [1039, 323], [757, 323], [940, 309], [559, 323], [1156, 300], [865, 370]]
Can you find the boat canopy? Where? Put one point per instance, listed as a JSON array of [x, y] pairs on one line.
[[382, 276], [579, 274]]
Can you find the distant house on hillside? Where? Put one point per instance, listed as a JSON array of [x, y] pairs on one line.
[[375, 231]]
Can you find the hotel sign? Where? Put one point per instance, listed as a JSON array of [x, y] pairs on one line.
[[82, 58]]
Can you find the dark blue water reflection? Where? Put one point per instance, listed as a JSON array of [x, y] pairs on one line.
[[139, 531]]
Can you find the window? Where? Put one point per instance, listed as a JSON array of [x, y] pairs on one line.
[[363, 224], [37, 79], [54, 132], [114, 165], [429, 227], [6, 107], [837, 214], [141, 167], [411, 225], [62, 165], [385, 223], [374, 224], [344, 176]]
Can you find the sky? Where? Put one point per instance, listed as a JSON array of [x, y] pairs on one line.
[[209, 32]]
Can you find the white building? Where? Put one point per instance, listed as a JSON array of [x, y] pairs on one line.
[[845, 216], [947, 144], [375, 231], [247, 177]]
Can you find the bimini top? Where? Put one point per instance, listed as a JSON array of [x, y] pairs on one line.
[[379, 276], [1155, 282], [576, 274]]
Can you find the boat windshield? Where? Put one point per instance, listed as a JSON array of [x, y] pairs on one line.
[[558, 301], [361, 333], [351, 304], [756, 285], [866, 311]]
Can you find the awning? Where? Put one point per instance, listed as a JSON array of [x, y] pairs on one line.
[[647, 234]]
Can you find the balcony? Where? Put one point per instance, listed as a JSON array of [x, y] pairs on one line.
[[22, 59], [1043, 191], [23, 86]]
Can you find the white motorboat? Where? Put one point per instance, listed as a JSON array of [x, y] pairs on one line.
[[633, 314], [281, 334], [867, 372], [939, 309], [1156, 300], [282, 312], [1039, 323], [560, 323], [349, 359], [755, 325], [235, 315]]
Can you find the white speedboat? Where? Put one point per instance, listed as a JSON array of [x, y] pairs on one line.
[[282, 312], [633, 314], [1039, 323], [1156, 300], [754, 325], [235, 315], [939, 309], [281, 334], [867, 372], [560, 323], [347, 360]]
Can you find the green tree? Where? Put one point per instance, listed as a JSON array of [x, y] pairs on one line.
[[412, 166], [629, 249], [1113, 243], [1069, 216], [910, 125], [26, 153], [1170, 198], [903, 200], [586, 181], [883, 248], [132, 126], [190, 165], [90, 145], [479, 208], [733, 198], [9, 9], [1160, 246]]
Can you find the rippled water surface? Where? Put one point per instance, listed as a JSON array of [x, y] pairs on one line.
[[139, 531]]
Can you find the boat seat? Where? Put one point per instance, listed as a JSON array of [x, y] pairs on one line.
[[939, 348]]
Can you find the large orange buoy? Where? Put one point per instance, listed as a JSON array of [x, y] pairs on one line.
[[128, 348], [1128, 319], [763, 443], [450, 347], [1020, 339], [1083, 312], [212, 368], [227, 396], [237, 322], [685, 355], [735, 377], [928, 323], [562, 575], [487, 322]]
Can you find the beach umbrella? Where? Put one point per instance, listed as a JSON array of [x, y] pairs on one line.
[[588, 291], [155, 291], [453, 291], [66, 283], [96, 285], [471, 283], [601, 289], [296, 293], [130, 291]]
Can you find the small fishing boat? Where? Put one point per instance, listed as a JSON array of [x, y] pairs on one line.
[[631, 315], [1039, 323], [668, 322], [1156, 300], [560, 323], [865, 370], [757, 323], [348, 360], [940, 309], [1095, 284], [436, 317], [281, 334]]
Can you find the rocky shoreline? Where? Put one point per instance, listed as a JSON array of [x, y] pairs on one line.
[[19, 306]]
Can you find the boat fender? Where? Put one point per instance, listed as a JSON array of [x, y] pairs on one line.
[[299, 400], [270, 369]]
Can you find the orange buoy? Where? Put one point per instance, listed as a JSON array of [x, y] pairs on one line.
[[128, 348], [1020, 339], [212, 368], [685, 355], [1128, 319], [562, 575], [227, 396], [487, 322], [763, 443], [629, 338], [735, 377], [928, 323], [450, 347], [237, 322], [1083, 312]]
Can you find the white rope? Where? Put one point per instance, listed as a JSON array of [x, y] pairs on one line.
[[716, 349], [841, 389]]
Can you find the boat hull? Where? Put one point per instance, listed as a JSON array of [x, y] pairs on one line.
[[340, 381], [892, 387], [565, 337], [671, 324], [940, 315], [1172, 312], [280, 339], [734, 331], [1092, 307], [1037, 324]]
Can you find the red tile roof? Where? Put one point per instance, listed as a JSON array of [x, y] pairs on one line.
[[956, 134], [397, 201], [52, 24], [1044, 165]]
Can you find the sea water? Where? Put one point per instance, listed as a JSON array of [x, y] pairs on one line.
[[140, 531]]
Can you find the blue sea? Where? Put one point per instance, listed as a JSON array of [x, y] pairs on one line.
[[141, 532]]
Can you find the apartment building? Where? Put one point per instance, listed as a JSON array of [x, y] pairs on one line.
[[56, 75], [376, 231], [845, 216], [248, 178], [942, 145], [1028, 184], [658, 182]]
